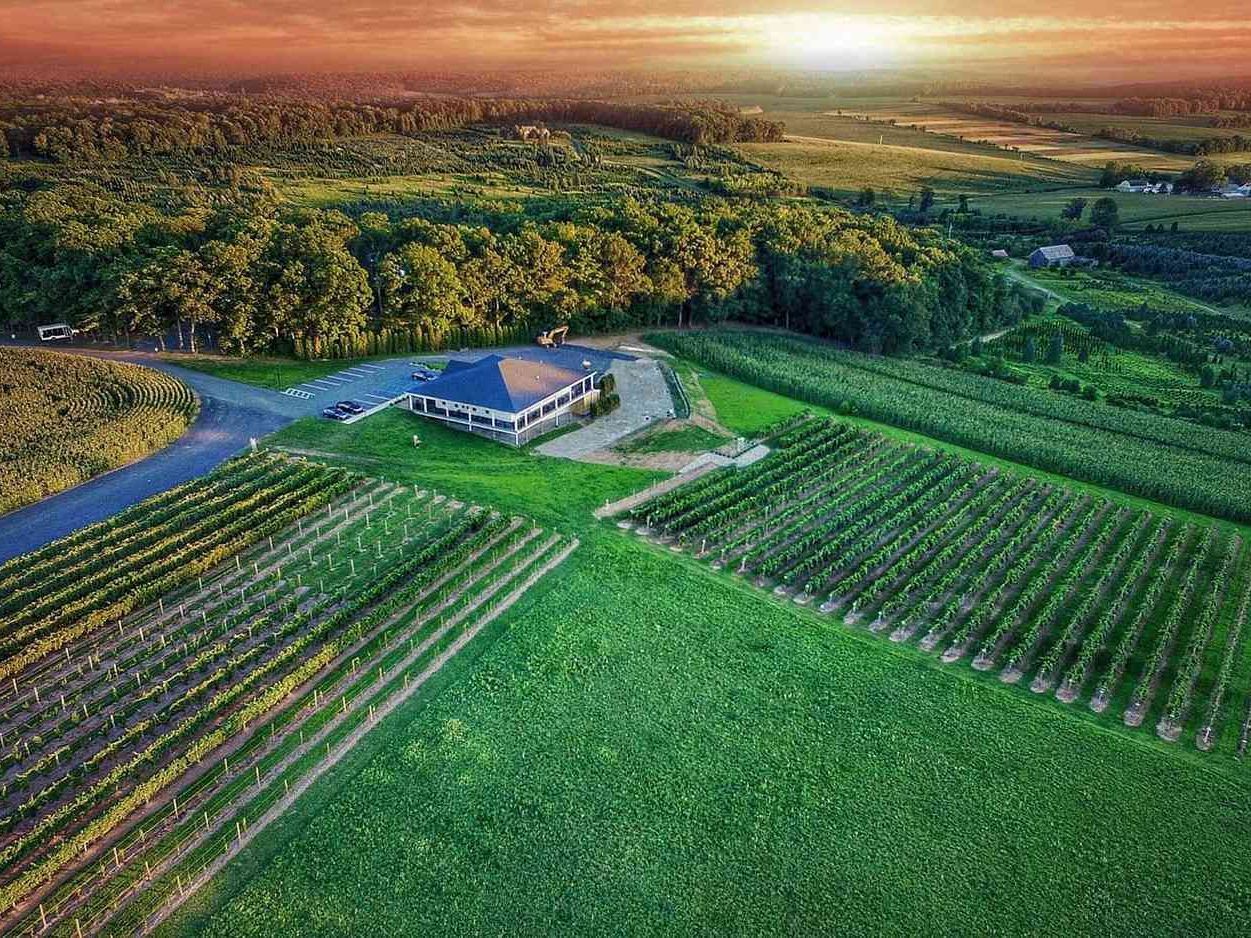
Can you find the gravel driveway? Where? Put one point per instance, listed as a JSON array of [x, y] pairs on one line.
[[644, 399]]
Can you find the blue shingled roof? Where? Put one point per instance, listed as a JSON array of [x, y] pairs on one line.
[[505, 384]]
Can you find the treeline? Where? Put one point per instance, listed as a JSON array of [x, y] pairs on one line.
[[264, 280], [1198, 101], [1214, 278], [82, 130]]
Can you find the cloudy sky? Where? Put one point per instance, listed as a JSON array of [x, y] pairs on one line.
[[1118, 39]]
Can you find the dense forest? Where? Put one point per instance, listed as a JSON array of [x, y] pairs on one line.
[[319, 282], [70, 130]]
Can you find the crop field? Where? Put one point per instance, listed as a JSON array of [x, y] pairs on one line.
[[644, 698], [1155, 457], [897, 171], [1023, 138], [1050, 587], [64, 419], [176, 676]]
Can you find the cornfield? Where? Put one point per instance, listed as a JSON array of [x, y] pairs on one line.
[[65, 418]]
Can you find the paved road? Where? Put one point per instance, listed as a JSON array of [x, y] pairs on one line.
[[230, 414]]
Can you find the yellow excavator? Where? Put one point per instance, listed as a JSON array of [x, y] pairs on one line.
[[552, 338]]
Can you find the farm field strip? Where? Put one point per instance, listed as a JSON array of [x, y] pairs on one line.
[[323, 708], [98, 601], [1055, 144], [1046, 584], [213, 854], [1159, 458], [166, 708], [138, 635]]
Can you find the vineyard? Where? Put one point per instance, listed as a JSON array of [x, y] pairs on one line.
[[1156, 457], [64, 419], [175, 677], [1134, 613]]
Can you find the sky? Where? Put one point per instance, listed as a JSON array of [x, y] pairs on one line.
[[1015, 40]]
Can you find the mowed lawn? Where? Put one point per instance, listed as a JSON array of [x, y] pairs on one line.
[[647, 747], [278, 374]]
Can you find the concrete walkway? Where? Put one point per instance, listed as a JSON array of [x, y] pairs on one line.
[[644, 399]]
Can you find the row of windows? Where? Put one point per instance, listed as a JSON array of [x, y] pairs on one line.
[[429, 406]]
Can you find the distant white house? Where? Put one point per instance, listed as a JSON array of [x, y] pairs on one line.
[[1053, 255], [1146, 186], [1233, 191], [999, 254]]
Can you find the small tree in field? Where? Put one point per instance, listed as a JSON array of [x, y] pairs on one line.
[[1029, 353], [1073, 210], [1055, 349], [1104, 213]]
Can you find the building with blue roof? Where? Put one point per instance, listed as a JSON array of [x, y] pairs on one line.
[[512, 400]]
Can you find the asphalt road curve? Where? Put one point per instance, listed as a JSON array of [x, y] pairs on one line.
[[231, 414]]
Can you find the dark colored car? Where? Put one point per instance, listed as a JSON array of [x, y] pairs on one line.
[[334, 413], [425, 374], [350, 407]]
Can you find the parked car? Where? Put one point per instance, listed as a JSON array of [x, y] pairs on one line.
[[425, 374], [334, 413], [350, 407]]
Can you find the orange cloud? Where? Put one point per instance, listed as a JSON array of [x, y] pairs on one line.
[[369, 35]]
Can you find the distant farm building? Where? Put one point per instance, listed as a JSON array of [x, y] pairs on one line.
[[1233, 191], [532, 133], [1146, 186], [999, 254], [511, 400], [1054, 255]]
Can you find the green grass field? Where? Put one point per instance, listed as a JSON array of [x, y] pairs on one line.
[[703, 758], [1136, 210], [897, 172], [274, 373], [682, 439]]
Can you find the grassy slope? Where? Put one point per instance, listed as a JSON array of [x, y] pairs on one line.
[[684, 439], [849, 167], [275, 373], [649, 747]]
